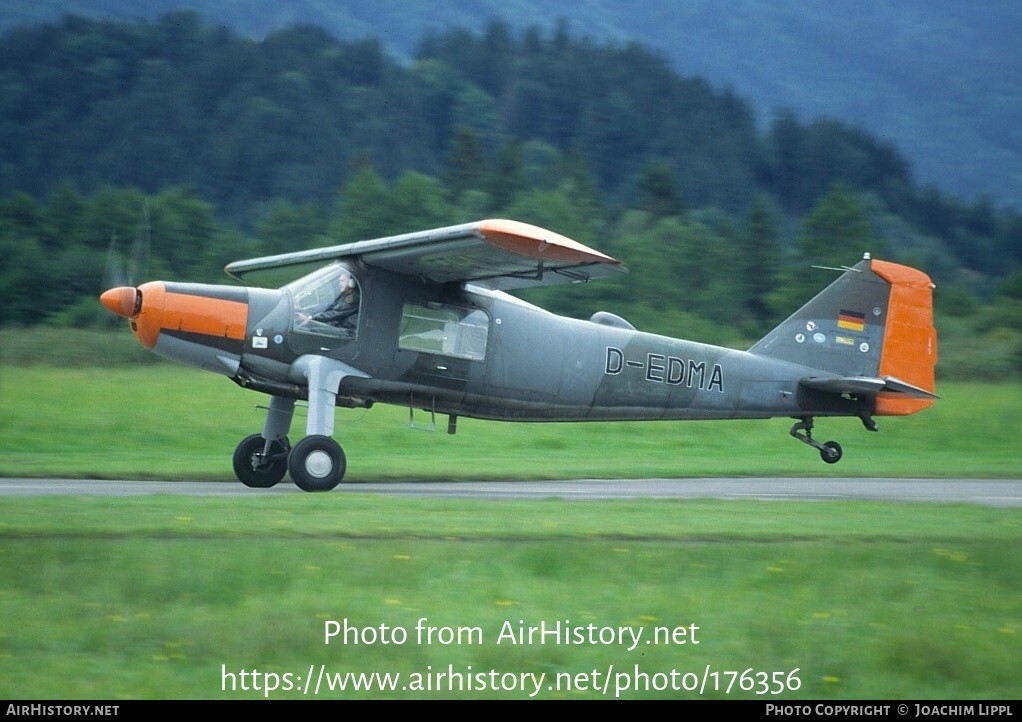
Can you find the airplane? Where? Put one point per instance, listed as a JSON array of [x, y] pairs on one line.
[[424, 320]]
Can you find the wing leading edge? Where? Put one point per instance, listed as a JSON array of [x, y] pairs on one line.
[[496, 253]]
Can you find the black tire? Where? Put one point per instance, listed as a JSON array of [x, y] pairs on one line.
[[254, 471], [317, 463], [831, 452]]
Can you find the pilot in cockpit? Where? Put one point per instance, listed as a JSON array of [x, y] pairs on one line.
[[343, 312]]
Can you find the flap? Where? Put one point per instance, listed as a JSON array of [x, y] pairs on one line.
[[499, 254]]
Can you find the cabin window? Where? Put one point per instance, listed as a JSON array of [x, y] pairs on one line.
[[444, 330], [327, 302]]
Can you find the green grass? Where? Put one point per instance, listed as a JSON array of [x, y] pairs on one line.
[[168, 421], [148, 597]]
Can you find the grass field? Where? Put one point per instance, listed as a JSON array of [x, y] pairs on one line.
[[167, 421], [151, 597], [169, 597]]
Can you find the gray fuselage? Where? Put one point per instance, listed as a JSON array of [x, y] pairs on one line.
[[470, 351]]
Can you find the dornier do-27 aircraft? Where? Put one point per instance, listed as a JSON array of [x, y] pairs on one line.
[[423, 320]]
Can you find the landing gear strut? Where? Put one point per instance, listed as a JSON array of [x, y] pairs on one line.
[[830, 451]]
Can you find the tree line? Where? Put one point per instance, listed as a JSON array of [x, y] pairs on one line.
[[166, 149]]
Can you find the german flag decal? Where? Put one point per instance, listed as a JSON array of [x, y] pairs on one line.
[[852, 320]]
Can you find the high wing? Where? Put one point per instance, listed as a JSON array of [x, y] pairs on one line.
[[496, 253]]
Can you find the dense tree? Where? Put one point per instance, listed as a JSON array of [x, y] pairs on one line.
[[507, 177], [179, 143], [833, 235], [178, 102], [364, 208], [419, 201], [466, 163], [291, 227], [758, 263], [836, 232], [657, 191]]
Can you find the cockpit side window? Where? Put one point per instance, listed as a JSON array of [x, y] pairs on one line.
[[327, 302], [444, 330]]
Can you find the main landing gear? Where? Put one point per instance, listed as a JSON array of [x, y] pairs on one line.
[[830, 451], [317, 462]]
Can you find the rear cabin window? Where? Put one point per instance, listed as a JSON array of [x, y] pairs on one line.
[[444, 330]]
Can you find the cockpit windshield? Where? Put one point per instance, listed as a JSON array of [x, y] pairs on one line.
[[327, 302]]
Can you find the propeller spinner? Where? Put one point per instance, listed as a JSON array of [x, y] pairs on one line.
[[124, 301], [142, 306]]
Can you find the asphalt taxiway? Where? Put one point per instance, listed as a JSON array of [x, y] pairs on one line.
[[989, 492]]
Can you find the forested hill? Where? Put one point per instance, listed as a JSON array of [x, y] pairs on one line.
[[938, 78], [248, 147], [181, 102]]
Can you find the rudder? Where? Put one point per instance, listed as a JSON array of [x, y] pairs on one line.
[[910, 339]]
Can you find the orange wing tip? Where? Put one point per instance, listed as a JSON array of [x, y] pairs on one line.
[[534, 242]]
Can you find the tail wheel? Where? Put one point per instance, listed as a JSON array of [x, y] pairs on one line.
[[831, 452], [317, 463], [256, 469], [802, 430]]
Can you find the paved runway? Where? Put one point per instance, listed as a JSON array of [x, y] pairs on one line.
[[990, 492]]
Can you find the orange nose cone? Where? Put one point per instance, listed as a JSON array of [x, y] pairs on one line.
[[122, 300]]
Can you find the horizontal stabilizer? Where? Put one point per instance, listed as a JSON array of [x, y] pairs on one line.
[[865, 385], [908, 389]]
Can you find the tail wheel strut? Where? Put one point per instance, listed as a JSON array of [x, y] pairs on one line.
[[802, 430]]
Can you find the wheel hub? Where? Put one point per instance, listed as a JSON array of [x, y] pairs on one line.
[[258, 461], [319, 464]]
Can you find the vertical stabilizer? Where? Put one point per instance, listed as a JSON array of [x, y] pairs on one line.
[[870, 331]]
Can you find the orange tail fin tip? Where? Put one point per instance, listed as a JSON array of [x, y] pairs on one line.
[[910, 340]]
